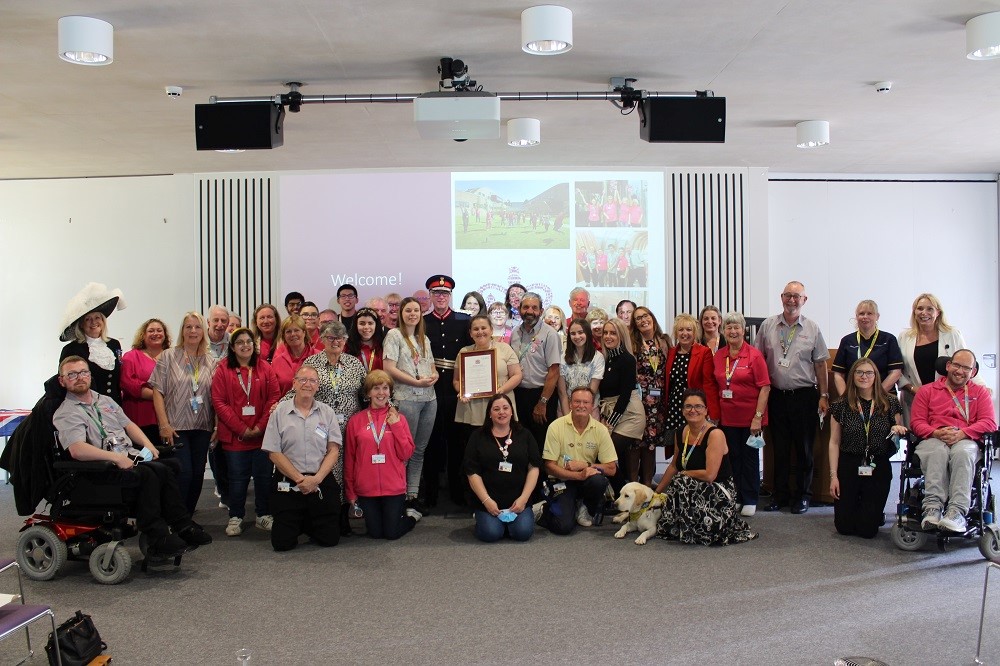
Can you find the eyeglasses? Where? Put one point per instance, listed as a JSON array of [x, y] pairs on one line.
[[693, 408], [243, 343], [307, 380], [642, 317], [331, 339], [789, 296], [864, 373], [962, 367], [350, 296], [74, 375], [308, 315]]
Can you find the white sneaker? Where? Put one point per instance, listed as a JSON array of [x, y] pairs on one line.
[[235, 527], [583, 516], [953, 521], [931, 519], [413, 513], [748, 510], [264, 523], [536, 510]]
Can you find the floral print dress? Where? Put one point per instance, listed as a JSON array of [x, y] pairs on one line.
[[650, 364]]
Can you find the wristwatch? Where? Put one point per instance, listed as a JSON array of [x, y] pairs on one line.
[[543, 400], [758, 415], [825, 395]]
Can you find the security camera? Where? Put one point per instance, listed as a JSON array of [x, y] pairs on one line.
[[883, 86], [174, 92]]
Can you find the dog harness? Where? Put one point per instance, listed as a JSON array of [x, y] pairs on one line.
[[634, 515]]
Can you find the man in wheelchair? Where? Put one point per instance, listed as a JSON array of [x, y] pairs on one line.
[[949, 415], [92, 427]]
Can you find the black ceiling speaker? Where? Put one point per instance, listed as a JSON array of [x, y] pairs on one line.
[[238, 125], [683, 119]]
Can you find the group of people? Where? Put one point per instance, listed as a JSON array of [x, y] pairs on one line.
[[359, 412]]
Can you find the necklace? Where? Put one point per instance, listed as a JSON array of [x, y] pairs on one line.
[[504, 448]]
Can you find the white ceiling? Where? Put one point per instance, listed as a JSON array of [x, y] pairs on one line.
[[777, 62]]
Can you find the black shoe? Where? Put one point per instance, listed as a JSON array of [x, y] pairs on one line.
[[774, 506], [417, 505], [170, 545], [800, 506], [195, 535]]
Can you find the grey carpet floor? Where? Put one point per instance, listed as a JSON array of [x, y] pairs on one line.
[[800, 594]]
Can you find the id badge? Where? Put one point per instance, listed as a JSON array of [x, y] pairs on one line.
[[864, 470], [195, 404], [249, 410], [378, 458], [727, 394], [784, 362], [654, 393], [559, 486], [284, 486], [341, 419], [322, 433], [506, 466]]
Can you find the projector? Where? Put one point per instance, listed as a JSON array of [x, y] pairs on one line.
[[457, 115]]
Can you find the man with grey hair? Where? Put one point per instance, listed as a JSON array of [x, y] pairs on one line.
[[217, 319], [538, 350], [579, 304], [796, 355]]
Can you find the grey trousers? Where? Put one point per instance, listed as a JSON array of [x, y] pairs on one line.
[[948, 473]]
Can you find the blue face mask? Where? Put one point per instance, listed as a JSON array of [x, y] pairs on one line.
[[755, 442], [507, 516], [145, 454]]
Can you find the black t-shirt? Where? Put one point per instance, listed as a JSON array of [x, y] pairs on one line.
[[696, 460], [925, 358], [483, 457], [852, 428]]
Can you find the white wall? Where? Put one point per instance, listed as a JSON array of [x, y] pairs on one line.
[[137, 234], [888, 241]]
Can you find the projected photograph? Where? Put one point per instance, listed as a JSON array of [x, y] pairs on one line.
[[612, 203], [615, 258], [512, 214]]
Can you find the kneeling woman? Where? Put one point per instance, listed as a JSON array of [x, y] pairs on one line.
[[860, 448], [502, 462], [378, 444], [701, 498]]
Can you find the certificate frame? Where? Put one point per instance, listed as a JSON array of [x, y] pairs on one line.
[[472, 374]]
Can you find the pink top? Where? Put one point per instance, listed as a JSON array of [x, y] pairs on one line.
[[137, 366], [748, 376], [265, 349], [934, 408], [593, 213], [623, 211], [230, 402], [611, 211], [635, 216], [364, 477], [285, 366]]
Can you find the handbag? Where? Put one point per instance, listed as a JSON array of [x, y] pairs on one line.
[[79, 641], [633, 421]]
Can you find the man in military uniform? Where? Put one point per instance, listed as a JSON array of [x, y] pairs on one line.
[[448, 332]]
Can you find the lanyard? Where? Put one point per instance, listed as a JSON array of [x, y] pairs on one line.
[[786, 342], [505, 446], [730, 373], [526, 346], [870, 347], [194, 370], [963, 413], [381, 433], [99, 422], [371, 358], [653, 354], [685, 456], [866, 420], [334, 376], [246, 387]]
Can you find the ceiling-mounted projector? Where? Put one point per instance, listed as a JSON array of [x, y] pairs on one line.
[[457, 115]]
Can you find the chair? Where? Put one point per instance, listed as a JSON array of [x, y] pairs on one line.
[[16, 616]]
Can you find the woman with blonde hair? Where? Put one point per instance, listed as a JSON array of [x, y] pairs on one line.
[[293, 349], [869, 342], [182, 399]]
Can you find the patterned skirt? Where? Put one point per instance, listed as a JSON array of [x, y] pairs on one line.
[[702, 513]]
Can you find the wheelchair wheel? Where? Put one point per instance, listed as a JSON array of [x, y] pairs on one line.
[[118, 567], [989, 545], [906, 539], [40, 553]]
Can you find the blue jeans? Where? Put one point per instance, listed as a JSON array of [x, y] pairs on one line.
[[192, 453], [490, 528], [420, 419], [242, 465]]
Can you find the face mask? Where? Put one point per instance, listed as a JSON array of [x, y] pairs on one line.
[[755, 442], [507, 516]]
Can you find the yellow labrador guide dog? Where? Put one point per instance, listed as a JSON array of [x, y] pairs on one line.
[[641, 508]]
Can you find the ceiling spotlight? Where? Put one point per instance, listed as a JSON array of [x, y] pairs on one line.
[[812, 133], [546, 30], [524, 132], [982, 37], [86, 41]]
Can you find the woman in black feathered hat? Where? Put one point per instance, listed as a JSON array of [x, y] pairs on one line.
[[85, 327]]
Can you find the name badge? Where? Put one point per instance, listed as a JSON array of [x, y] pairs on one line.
[[506, 467], [727, 394], [195, 404], [322, 433], [784, 362], [864, 470], [378, 458], [284, 486], [249, 410], [654, 393], [341, 419]]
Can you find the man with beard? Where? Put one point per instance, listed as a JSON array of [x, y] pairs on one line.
[[538, 350]]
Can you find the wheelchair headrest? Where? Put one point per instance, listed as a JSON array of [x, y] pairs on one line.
[[941, 366]]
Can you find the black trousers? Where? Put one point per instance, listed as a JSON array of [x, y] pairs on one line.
[[295, 514], [860, 509], [745, 462], [559, 514], [152, 488], [526, 399], [444, 438], [384, 517], [793, 422]]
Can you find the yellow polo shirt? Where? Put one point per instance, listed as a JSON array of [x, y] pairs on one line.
[[593, 445]]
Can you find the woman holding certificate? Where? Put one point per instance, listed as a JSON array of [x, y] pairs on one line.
[[482, 370]]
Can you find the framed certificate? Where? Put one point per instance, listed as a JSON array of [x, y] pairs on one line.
[[477, 374]]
